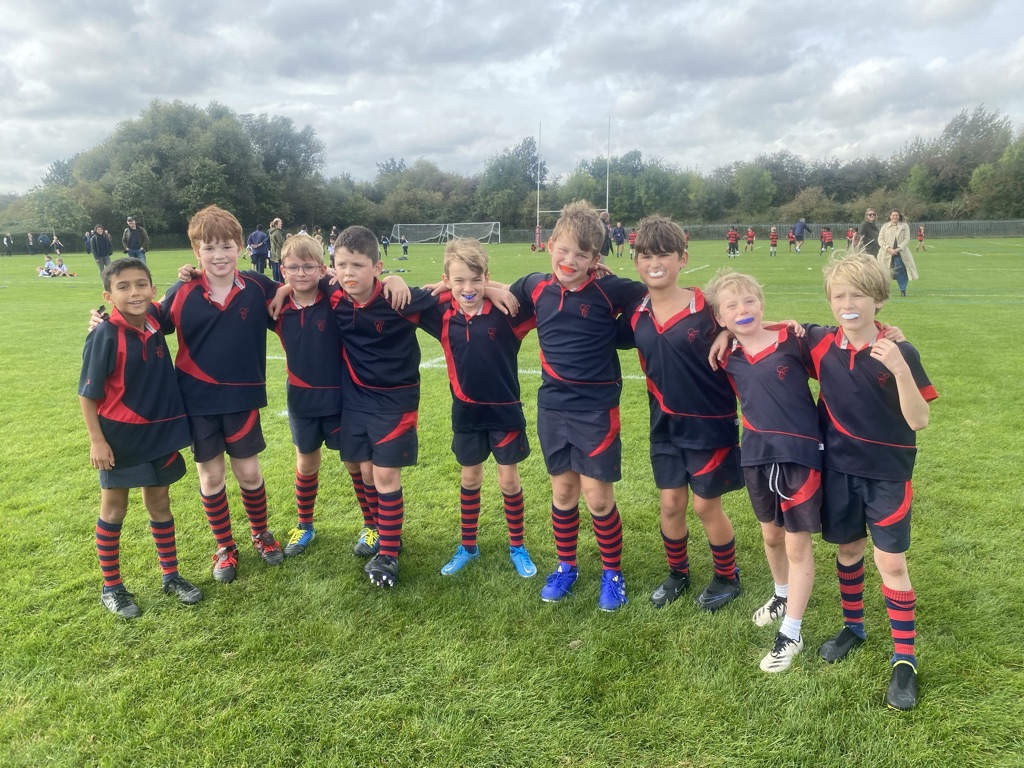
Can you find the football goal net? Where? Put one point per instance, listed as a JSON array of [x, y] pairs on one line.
[[484, 231], [419, 233]]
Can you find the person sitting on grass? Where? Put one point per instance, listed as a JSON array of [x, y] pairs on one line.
[[60, 269], [874, 398], [48, 269], [136, 421], [481, 349]]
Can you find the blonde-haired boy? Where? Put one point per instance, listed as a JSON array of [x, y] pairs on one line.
[[481, 348], [768, 369], [874, 398]]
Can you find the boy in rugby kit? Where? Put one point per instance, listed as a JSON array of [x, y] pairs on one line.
[[781, 451], [694, 434], [309, 336], [874, 397], [136, 421], [380, 392], [221, 321], [481, 348], [578, 400]]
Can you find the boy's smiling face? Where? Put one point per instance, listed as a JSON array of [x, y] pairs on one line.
[[570, 265], [219, 258], [131, 291], [740, 311], [659, 270], [302, 276], [467, 286]]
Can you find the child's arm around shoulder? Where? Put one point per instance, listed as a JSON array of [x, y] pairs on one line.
[[912, 402]]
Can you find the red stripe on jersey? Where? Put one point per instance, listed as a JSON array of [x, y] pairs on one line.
[[613, 430], [904, 508], [407, 422], [246, 428]]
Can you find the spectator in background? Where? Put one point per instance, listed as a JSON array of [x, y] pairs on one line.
[[867, 233], [87, 241], [619, 236], [606, 246], [31, 243], [8, 245], [276, 242], [56, 245], [894, 250], [259, 249], [801, 230], [384, 242], [135, 240], [101, 248], [43, 241], [405, 245]]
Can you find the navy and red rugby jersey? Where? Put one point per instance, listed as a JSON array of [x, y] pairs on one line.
[[129, 373], [681, 386], [859, 404], [732, 236], [380, 352], [773, 238], [577, 332], [222, 350], [779, 417], [312, 347], [481, 353]]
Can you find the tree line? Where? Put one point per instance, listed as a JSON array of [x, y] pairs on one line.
[[176, 158]]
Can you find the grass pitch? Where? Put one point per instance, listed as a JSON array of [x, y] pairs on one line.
[[307, 664]]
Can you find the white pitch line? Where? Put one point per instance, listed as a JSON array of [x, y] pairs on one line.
[[968, 253], [696, 269]]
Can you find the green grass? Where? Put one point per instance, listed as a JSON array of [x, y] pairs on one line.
[[307, 664]]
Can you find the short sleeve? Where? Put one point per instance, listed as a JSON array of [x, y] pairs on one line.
[[98, 360]]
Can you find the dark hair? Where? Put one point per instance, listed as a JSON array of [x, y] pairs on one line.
[[123, 265], [356, 239], [659, 234]]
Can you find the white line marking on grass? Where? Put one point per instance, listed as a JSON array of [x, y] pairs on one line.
[[275, 357], [696, 269], [968, 253]]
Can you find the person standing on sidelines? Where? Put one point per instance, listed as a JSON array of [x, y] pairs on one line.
[[259, 249], [920, 239], [276, 243], [135, 240], [101, 248], [8, 245], [867, 235], [894, 250]]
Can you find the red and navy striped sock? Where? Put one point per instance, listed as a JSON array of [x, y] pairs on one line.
[[676, 554], [514, 517], [851, 595], [390, 517], [373, 504], [900, 606], [608, 532], [724, 556], [306, 487], [566, 524], [254, 502], [166, 546], [218, 515], [108, 547], [369, 520], [469, 514]]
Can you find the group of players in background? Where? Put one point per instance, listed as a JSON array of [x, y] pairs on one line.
[[841, 467]]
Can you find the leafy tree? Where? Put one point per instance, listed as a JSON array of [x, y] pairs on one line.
[[755, 188], [55, 209], [997, 189], [59, 173]]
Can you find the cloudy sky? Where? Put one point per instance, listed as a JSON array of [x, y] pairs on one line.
[[699, 83]]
